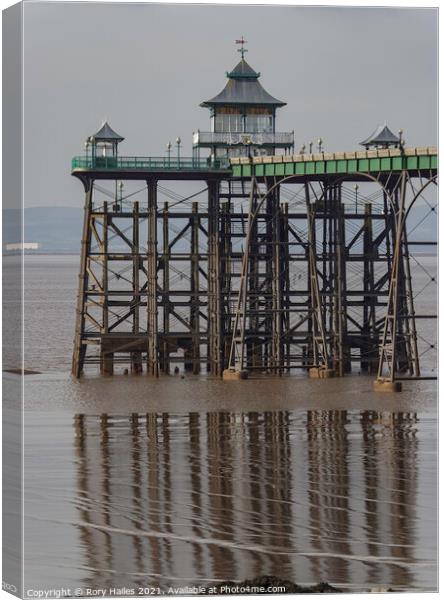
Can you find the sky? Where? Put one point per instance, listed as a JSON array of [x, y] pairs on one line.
[[146, 68]]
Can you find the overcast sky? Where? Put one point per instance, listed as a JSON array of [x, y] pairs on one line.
[[146, 68]]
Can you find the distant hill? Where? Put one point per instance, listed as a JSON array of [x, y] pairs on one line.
[[56, 229], [59, 229]]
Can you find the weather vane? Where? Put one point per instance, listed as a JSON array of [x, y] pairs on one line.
[[242, 50]]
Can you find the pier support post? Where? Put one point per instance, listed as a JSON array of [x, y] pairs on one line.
[[195, 292], [152, 349], [166, 289], [277, 278], [79, 346], [369, 335], [136, 357], [214, 292]]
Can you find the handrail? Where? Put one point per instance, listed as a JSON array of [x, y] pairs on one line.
[[148, 163]]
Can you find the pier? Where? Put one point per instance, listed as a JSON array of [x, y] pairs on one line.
[[293, 262]]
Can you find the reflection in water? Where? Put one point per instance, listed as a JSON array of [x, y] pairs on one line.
[[316, 496]]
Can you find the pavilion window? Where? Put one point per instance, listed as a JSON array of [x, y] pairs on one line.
[[259, 120], [228, 120]]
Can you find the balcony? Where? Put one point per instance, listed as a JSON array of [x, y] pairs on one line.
[[140, 163], [207, 139]]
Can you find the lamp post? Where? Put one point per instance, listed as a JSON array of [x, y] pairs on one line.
[[121, 194], [320, 145], [168, 148], [356, 198], [302, 150], [248, 143], [310, 147], [178, 142], [86, 151]]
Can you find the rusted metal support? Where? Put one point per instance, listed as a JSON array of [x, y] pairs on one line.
[[226, 266], [152, 321], [195, 298], [214, 354], [104, 260], [106, 358], [136, 357], [388, 358], [277, 276], [79, 346], [410, 320], [369, 334], [318, 342], [341, 362], [255, 346], [285, 263], [166, 256]]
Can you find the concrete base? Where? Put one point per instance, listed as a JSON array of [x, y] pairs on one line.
[[320, 373], [381, 385], [231, 375]]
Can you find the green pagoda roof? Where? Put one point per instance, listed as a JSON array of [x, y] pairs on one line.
[[243, 87], [107, 134]]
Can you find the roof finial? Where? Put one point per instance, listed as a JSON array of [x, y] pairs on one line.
[[242, 50]]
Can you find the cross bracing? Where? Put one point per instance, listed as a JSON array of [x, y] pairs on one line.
[[326, 284]]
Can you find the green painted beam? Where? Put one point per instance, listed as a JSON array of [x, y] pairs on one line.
[[341, 166]]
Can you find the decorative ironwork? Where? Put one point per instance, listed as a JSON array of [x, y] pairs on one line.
[[201, 138]]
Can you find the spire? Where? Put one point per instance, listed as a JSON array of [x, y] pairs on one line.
[[242, 49]]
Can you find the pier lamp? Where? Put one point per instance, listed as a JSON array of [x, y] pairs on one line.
[[178, 142], [302, 150], [86, 150], [356, 198], [310, 147], [121, 194], [320, 145], [246, 139], [168, 148]]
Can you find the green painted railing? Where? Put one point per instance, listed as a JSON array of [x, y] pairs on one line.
[[110, 163]]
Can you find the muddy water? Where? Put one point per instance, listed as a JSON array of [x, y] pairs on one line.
[[131, 482], [160, 499]]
